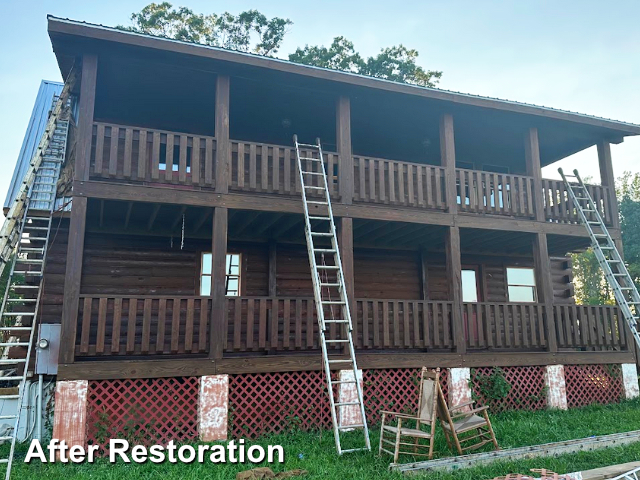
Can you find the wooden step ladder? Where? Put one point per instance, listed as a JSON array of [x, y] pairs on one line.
[[24, 240], [332, 304], [607, 254]]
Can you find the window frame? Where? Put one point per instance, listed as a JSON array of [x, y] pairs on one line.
[[533, 286], [226, 275]]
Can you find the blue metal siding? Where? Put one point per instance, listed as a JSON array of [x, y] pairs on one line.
[[35, 129]]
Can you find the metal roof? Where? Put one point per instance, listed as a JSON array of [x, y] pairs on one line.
[[272, 62], [37, 123]]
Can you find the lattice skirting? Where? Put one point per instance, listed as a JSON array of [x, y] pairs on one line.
[[587, 384], [144, 411], [525, 386]]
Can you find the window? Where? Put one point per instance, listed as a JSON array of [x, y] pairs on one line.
[[521, 284], [232, 275], [469, 286]]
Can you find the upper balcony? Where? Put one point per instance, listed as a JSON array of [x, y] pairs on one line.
[[121, 153]]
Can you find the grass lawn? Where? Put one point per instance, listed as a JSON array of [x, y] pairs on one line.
[[315, 451]]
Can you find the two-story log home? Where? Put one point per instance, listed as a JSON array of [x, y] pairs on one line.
[[180, 275]]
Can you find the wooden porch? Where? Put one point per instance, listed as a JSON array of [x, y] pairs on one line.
[[127, 154]]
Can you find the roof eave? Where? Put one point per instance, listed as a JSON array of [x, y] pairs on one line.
[[110, 34]]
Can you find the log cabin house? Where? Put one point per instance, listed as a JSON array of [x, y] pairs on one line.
[[181, 267]]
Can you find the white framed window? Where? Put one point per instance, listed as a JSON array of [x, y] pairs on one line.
[[521, 284], [232, 274]]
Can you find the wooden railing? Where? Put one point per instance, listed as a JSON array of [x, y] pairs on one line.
[[152, 156], [126, 325], [590, 327], [258, 167], [513, 326], [129, 325], [496, 193], [377, 180], [559, 208]]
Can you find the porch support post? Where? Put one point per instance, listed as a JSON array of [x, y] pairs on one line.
[[532, 161], [630, 380], [555, 386], [448, 161], [350, 414], [343, 142], [544, 284], [272, 268], [607, 179], [459, 388], [223, 145], [454, 274], [86, 104], [218, 275], [72, 278], [70, 412], [345, 243], [213, 407]]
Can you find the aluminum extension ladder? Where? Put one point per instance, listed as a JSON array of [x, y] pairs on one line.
[[630, 475], [24, 240], [332, 306], [606, 252]]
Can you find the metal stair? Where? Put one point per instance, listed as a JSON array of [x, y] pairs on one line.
[[332, 305], [606, 252], [24, 239]]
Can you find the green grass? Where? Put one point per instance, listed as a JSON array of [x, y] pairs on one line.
[[315, 452]]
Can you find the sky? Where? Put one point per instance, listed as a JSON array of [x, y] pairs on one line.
[[578, 55]]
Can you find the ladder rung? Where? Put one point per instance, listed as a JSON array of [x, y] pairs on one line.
[[14, 344], [34, 261], [27, 272], [342, 381], [345, 404], [10, 361], [320, 218], [336, 321], [324, 250], [25, 286], [31, 250], [7, 417], [312, 187], [312, 173], [11, 379], [22, 300], [327, 267], [332, 302], [349, 450], [2, 439], [31, 227], [18, 314], [329, 284], [336, 341], [317, 203], [348, 360], [19, 329], [8, 397], [321, 234]]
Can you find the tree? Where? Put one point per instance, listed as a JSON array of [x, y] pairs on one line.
[[251, 31], [397, 63]]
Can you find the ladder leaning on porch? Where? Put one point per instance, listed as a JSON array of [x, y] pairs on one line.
[[332, 305], [606, 252], [24, 240]]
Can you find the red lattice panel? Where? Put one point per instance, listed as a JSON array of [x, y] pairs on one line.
[[587, 384], [527, 391], [264, 403], [394, 390], [143, 411]]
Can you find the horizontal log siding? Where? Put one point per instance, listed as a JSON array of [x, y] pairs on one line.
[[129, 325], [559, 208], [378, 180], [257, 167], [496, 193], [152, 156]]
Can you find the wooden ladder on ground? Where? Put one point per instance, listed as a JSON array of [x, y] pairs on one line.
[[24, 240], [332, 304], [607, 254]]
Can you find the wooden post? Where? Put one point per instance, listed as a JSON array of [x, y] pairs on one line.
[[85, 115], [72, 278], [454, 274], [343, 141], [607, 179], [218, 276], [424, 277], [223, 145], [345, 243], [544, 284], [448, 161], [532, 160], [272, 269]]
